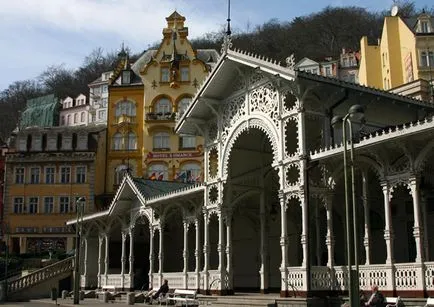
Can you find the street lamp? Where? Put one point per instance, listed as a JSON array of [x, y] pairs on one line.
[[356, 113], [79, 205]]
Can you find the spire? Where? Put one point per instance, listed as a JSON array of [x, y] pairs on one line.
[[227, 40]]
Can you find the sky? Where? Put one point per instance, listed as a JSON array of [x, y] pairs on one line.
[[35, 34]]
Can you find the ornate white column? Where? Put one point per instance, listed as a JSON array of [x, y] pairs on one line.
[[185, 254], [151, 257], [221, 250], [388, 231], [263, 271], [283, 243], [417, 232], [304, 231], [197, 253], [330, 239], [123, 256], [366, 213], [131, 273], [229, 249], [100, 242], [425, 225], [85, 257], [160, 255], [106, 257], [206, 250], [417, 229]]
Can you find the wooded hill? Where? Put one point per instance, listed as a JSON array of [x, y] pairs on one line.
[[316, 36]]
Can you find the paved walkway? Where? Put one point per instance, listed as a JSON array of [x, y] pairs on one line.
[[89, 302]]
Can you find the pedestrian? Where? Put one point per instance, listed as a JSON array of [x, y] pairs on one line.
[[376, 299]]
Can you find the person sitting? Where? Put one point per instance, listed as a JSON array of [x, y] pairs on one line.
[[376, 299], [153, 295]]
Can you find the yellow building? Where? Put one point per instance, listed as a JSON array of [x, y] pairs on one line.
[[47, 171], [404, 54], [124, 124], [170, 76]]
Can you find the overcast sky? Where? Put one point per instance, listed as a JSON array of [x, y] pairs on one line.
[[37, 33]]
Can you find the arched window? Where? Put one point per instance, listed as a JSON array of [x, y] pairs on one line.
[[82, 117], [189, 172], [161, 140], [158, 171], [163, 106], [68, 119], [131, 141], [125, 107], [75, 118], [183, 105], [117, 141]]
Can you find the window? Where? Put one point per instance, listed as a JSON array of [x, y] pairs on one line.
[[161, 140], [104, 102], [158, 172], [34, 175], [82, 117], [64, 204], [120, 171], [185, 74], [126, 77], [183, 105], [65, 174], [427, 58], [165, 74], [49, 174], [102, 115], [68, 121], [315, 71], [328, 71], [75, 118], [48, 204], [187, 141], [18, 205], [424, 27], [19, 175], [190, 172], [125, 107], [117, 141], [131, 141], [33, 205], [163, 106], [104, 88], [80, 174], [62, 122]]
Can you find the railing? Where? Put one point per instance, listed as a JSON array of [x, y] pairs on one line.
[[41, 275], [160, 116]]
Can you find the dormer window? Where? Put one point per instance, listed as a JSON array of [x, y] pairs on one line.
[[126, 77]]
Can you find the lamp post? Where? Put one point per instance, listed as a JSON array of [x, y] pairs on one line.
[[79, 208], [355, 112]]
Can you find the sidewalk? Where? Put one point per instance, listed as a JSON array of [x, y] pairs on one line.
[[90, 302]]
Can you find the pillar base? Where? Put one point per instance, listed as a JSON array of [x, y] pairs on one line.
[[264, 291]]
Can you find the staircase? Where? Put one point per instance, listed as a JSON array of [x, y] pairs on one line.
[[39, 283]]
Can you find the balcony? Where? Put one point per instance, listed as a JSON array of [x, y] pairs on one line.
[[125, 119], [151, 116]]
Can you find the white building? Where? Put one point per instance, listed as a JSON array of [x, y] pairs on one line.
[[270, 214], [99, 95], [75, 112]]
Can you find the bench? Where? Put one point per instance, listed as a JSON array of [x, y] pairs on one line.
[[184, 296], [392, 301], [429, 302]]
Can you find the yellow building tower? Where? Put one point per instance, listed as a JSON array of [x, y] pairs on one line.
[[124, 124], [171, 75], [403, 59]]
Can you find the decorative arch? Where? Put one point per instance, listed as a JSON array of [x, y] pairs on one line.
[[179, 98], [138, 215], [171, 207], [421, 158], [258, 122]]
